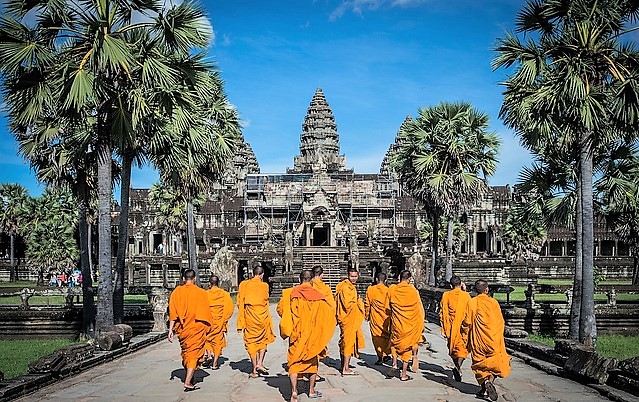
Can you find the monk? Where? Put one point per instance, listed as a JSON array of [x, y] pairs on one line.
[[254, 319], [407, 322], [350, 314], [376, 312], [451, 314], [190, 320], [312, 320], [319, 284], [482, 329], [221, 305]]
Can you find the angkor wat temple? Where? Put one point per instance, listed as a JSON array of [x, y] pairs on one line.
[[320, 212]]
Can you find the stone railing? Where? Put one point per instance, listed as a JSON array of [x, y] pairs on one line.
[[69, 293]]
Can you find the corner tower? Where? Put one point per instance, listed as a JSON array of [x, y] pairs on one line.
[[319, 147]]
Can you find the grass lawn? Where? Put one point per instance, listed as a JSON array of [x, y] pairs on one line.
[[518, 295], [15, 355], [59, 300], [615, 346]]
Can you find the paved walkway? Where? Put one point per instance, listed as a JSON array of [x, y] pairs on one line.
[[155, 374]]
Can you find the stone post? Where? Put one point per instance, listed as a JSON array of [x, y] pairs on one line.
[[159, 301], [530, 296], [612, 297]]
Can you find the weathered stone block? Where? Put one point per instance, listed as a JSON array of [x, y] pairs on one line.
[[630, 367], [587, 364], [510, 332], [565, 347]]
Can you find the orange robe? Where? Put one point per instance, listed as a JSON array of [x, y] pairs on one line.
[[313, 323], [377, 312], [284, 311], [407, 319], [319, 284], [451, 315], [221, 307], [254, 317], [482, 329], [188, 307], [350, 314]]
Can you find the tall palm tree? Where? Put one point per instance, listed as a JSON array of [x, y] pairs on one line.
[[444, 158], [78, 62], [574, 88], [207, 134], [12, 198]]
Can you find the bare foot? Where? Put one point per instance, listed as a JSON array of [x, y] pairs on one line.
[[294, 397]]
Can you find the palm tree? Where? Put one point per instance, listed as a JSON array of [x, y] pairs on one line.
[[13, 197], [574, 88], [51, 242], [78, 63], [444, 158], [171, 208], [206, 135]]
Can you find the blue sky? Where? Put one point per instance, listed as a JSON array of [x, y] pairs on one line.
[[377, 61]]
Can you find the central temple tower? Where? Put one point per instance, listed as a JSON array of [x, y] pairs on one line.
[[319, 147]]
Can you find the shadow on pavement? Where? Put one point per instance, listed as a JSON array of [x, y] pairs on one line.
[[369, 360], [181, 374], [244, 365], [440, 375], [283, 385]]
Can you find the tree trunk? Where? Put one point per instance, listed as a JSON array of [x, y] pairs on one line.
[[90, 245], [449, 249], [587, 321], [432, 279], [191, 239], [575, 307], [105, 284], [123, 240], [88, 297], [12, 256], [635, 269]]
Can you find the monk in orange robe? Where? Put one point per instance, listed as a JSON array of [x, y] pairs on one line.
[[319, 284], [350, 314], [451, 313], [312, 320], [376, 312], [222, 308], [254, 319], [190, 320], [407, 321], [482, 329]]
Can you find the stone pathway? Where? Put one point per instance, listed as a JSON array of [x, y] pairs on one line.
[[155, 374]]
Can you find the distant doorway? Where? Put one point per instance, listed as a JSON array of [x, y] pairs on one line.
[[320, 236]]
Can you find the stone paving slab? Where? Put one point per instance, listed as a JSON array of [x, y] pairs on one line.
[[155, 374]]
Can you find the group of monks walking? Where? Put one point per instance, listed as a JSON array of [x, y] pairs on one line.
[[309, 313]]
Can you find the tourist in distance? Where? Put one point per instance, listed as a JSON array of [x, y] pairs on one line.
[[311, 320], [482, 329], [451, 313], [406, 322], [350, 314], [377, 313], [254, 319], [190, 319], [221, 306]]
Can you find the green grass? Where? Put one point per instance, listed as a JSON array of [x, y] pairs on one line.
[[15, 355], [60, 301], [614, 346], [518, 296]]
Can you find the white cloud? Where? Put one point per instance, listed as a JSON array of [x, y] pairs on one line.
[[226, 40], [359, 6]]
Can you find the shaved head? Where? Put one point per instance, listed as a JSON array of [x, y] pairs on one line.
[[481, 286], [405, 275], [455, 281], [214, 280], [306, 275], [189, 274], [317, 271], [380, 277], [258, 270]]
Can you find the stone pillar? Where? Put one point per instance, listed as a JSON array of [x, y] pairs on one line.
[[612, 297], [530, 296], [147, 269], [159, 301]]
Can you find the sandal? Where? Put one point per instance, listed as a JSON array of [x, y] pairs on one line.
[[317, 394], [261, 370], [491, 391], [407, 378]]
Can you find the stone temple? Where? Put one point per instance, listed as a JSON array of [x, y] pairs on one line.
[[318, 212]]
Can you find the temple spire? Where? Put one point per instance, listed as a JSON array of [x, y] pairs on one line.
[[319, 147]]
